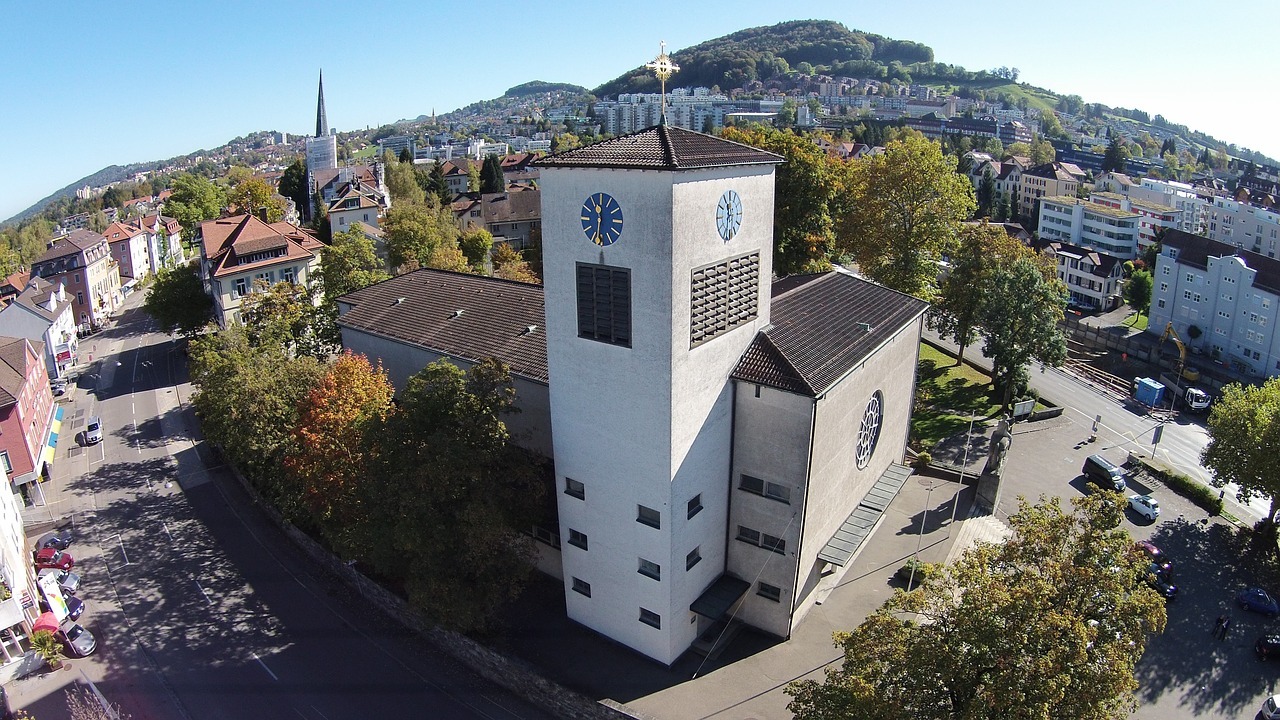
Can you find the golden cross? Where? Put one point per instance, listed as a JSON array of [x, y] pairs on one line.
[[663, 68]]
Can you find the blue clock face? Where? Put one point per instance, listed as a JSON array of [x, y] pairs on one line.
[[729, 215], [602, 219]]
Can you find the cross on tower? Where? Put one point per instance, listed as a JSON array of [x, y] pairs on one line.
[[663, 68]]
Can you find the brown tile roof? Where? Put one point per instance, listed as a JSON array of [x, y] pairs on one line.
[[227, 239], [1195, 251], [36, 298], [821, 327], [118, 232], [74, 244], [1103, 264], [511, 207], [15, 283], [662, 147], [494, 322], [13, 368]]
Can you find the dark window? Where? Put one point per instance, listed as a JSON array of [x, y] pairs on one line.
[[575, 488], [650, 569], [695, 505], [745, 534], [764, 590], [604, 304], [577, 539], [771, 490], [582, 587], [759, 539], [648, 516], [649, 617], [693, 558]]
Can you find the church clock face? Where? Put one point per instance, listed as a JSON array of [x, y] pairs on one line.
[[602, 219], [729, 215], [869, 430]]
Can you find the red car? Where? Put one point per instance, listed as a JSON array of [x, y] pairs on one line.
[[54, 558]]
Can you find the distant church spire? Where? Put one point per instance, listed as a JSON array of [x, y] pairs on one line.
[[322, 120]]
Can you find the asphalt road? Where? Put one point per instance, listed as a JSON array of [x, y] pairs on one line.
[[203, 609]]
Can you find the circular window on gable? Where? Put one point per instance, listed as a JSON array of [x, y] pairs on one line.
[[869, 430]]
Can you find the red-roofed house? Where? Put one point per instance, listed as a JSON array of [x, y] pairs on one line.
[[238, 252], [26, 409], [164, 241], [82, 262], [129, 248], [12, 286]]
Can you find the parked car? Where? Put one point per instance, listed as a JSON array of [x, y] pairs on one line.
[[93, 431], [1258, 600], [60, 540], [68, 581], [75, 607], [1103, 473], [78, 641], [1145, 505], [54, 558], [59, 386], [1270, 708], [1161, 581], [1156, 554], [1267, 647]]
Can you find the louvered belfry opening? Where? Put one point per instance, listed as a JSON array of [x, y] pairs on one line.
[[723, 296]]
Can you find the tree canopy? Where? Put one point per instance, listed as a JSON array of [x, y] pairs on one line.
[[423, 235], [254, 194], [194, 200], [957, 311], [349, 263], [1019, 318], [492, 179], [1049, 624], [1244, 432], [1137, 291], [177, 300], [905, 209], [293, 185]]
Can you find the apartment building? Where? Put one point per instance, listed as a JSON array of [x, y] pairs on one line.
[[1092, 278], [1090, 225], [82, 262]]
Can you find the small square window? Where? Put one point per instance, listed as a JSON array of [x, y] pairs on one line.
[[650, 569], [776, 544], [693, 558], [582, 587], [769, 592], [649, 617], [574, 488], [746, 534], [648, 516], [577, 539], [695, 505]]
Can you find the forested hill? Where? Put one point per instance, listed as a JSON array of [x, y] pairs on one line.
[[762, 52]]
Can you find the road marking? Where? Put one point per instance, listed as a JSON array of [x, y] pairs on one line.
[[206, 597], [317, 711], [264, 667], [166, 531]]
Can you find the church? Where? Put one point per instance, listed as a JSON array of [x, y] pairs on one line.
[[723, 442]]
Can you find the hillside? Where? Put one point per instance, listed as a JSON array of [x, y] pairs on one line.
[[109, 174]]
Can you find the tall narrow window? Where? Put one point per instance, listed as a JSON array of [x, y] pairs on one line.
[[604, 304]]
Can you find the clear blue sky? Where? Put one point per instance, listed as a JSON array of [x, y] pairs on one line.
[[88, 84]]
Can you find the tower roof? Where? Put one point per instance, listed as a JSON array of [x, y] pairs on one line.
[[661, 147], [322, 120]]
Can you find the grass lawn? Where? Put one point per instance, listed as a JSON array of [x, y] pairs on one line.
[[946, 395], [1137, 321]]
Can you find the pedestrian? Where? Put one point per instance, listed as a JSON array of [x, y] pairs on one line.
[[1217, 627], [1226, 627]]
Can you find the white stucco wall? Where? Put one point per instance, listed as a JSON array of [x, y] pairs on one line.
[[650, 424]]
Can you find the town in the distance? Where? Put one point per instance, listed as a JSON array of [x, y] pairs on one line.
[[744, 385]]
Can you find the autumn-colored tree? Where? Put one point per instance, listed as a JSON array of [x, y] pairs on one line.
[[1049, 624], [475, 244], [327, 461], [253, 195], [416, 233], [1244, 432], [508, 264]]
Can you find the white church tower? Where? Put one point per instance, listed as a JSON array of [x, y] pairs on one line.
[[657, 253]]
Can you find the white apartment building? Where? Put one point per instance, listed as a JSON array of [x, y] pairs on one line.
[[1151, 216], [1222, 301], [1244, 225], [1191, 209], [1090, 225]]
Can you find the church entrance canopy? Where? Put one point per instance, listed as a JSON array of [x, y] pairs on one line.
[[715, 602]]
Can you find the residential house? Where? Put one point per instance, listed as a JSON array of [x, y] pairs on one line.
[[1046, 180], [511, 217], [130, 248], [1091, 225], [164, 241], [44, 314], [1244, 224], [329, 184], [11, 286], [240, 253], [82, 262], [1222, 300], [357, 201], [1092, 278], [1190, 210], [26, 413]]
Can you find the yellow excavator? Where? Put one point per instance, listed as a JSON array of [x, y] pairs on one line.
[[1169, 332], [1196, 399]]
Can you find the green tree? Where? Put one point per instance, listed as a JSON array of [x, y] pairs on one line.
[[327, 462], [958, 307], [1116, 156], [1137, 291], [1244, 432], [449, 496], [194, 200], [807, 191], [98, 221], [349, 263], [491, 177], [177, 300], [906, 207], [1049, 624], [405, 156], [254, 194], [402, 183], [48, 647], [247, 399], [284, 315], [1019, 320], [438, 185], [1042, 151], [475, 244], [986, 194], [787, 115], [293, 185], [473, 177], [508, 264], [416, 234]]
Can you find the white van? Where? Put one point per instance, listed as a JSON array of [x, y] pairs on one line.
[[93, 431]]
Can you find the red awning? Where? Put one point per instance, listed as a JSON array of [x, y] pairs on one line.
[[47, 621]]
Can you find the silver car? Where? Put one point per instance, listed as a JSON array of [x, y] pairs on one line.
[[68, 581], [78, 641]]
